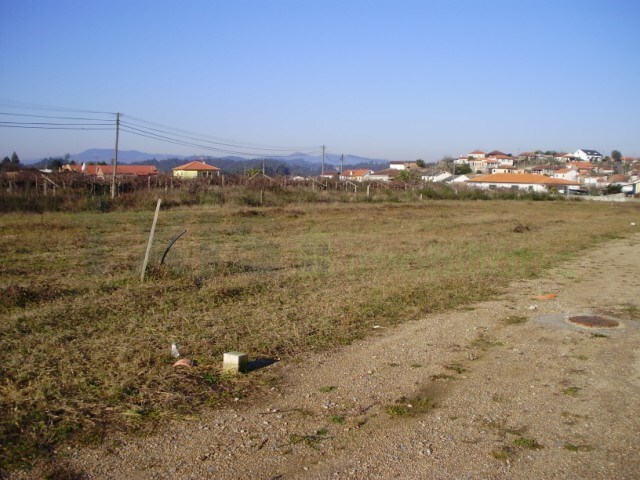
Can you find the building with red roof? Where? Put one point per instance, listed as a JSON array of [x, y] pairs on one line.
[[196, 169]]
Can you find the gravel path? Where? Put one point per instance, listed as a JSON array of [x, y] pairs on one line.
[[488, 391]]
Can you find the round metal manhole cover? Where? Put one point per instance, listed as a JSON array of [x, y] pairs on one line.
[[593, 321]]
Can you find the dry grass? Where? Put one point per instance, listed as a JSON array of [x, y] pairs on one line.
[[85, 347]]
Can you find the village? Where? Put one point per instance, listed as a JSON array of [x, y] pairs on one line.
[[583, 172]]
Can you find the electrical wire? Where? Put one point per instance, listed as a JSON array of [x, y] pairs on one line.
[[219, 140], [61, 124], [34, 106], [174, 141], [54, 117], [56, 128], [140, 128], [168, 135]]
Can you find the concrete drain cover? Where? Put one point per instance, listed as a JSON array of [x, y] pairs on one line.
[[593, 321]]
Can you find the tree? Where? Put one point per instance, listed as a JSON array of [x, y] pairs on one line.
[[55, 164], [420, 163], [611, 189], [408, 176], [14, 159], [616, 156], [446, 162], [462, 169], [6, 161]]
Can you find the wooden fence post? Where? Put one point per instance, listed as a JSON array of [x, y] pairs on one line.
[[153, 230]]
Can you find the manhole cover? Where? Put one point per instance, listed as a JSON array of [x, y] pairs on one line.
[[593, 321]]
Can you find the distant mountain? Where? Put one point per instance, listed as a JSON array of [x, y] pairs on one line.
[[124, 156], [293, 164], [130, 156]]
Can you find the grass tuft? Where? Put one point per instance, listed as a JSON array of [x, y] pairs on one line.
[[529, 443]]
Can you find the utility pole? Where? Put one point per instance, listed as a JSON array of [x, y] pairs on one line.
[[341, 163], [115, 158], [263, 167], [323, 149]]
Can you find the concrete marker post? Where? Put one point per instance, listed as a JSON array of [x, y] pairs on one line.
[[234, 362]]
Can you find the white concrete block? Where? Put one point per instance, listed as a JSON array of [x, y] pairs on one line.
[[234, 362]]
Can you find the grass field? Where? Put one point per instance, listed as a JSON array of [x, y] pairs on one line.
[[85, 347]]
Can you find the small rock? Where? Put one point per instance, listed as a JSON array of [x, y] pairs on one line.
[[533, 307]]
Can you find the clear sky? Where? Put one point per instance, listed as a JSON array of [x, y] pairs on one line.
[[394, 79]]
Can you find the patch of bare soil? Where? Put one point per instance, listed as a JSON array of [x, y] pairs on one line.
[[489, 391]]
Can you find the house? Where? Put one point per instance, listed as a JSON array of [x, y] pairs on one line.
[[545, 169], [459, 179], [567, 174], [438, 177], [330, 174], [85, 169], [400, 165], [495, 153], [619, 179], [477, 154], [505, 169], [584, 167], [594, 179], [106, 171], [522, 181], [384, 175], [357, 175], [195, 170], [588, 155], [502, 158]]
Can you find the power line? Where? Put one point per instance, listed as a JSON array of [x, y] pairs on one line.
[[60, 124], [216, 139], [53, 117], [150, 131], [54, 128], [164, 133], [34, 106], [154, 136]]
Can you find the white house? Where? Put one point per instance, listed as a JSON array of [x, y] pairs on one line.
[[567, 174], [588, 155], [522, 181], [357, 175], [438, 177], [459, 179], [478, 165], [384, 175], [477, 154], [502, 158], [505, 169], [400, 165]]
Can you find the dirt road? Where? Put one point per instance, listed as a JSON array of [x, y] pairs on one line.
[[500, 389]]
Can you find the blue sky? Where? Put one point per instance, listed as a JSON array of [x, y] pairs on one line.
[[380, 78]]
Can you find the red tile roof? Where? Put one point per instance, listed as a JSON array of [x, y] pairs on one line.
[[619, 178], [197, 167], [355, 173], [477, 152], [138, 170], [588, 165], [88, 169], [521, 178]]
